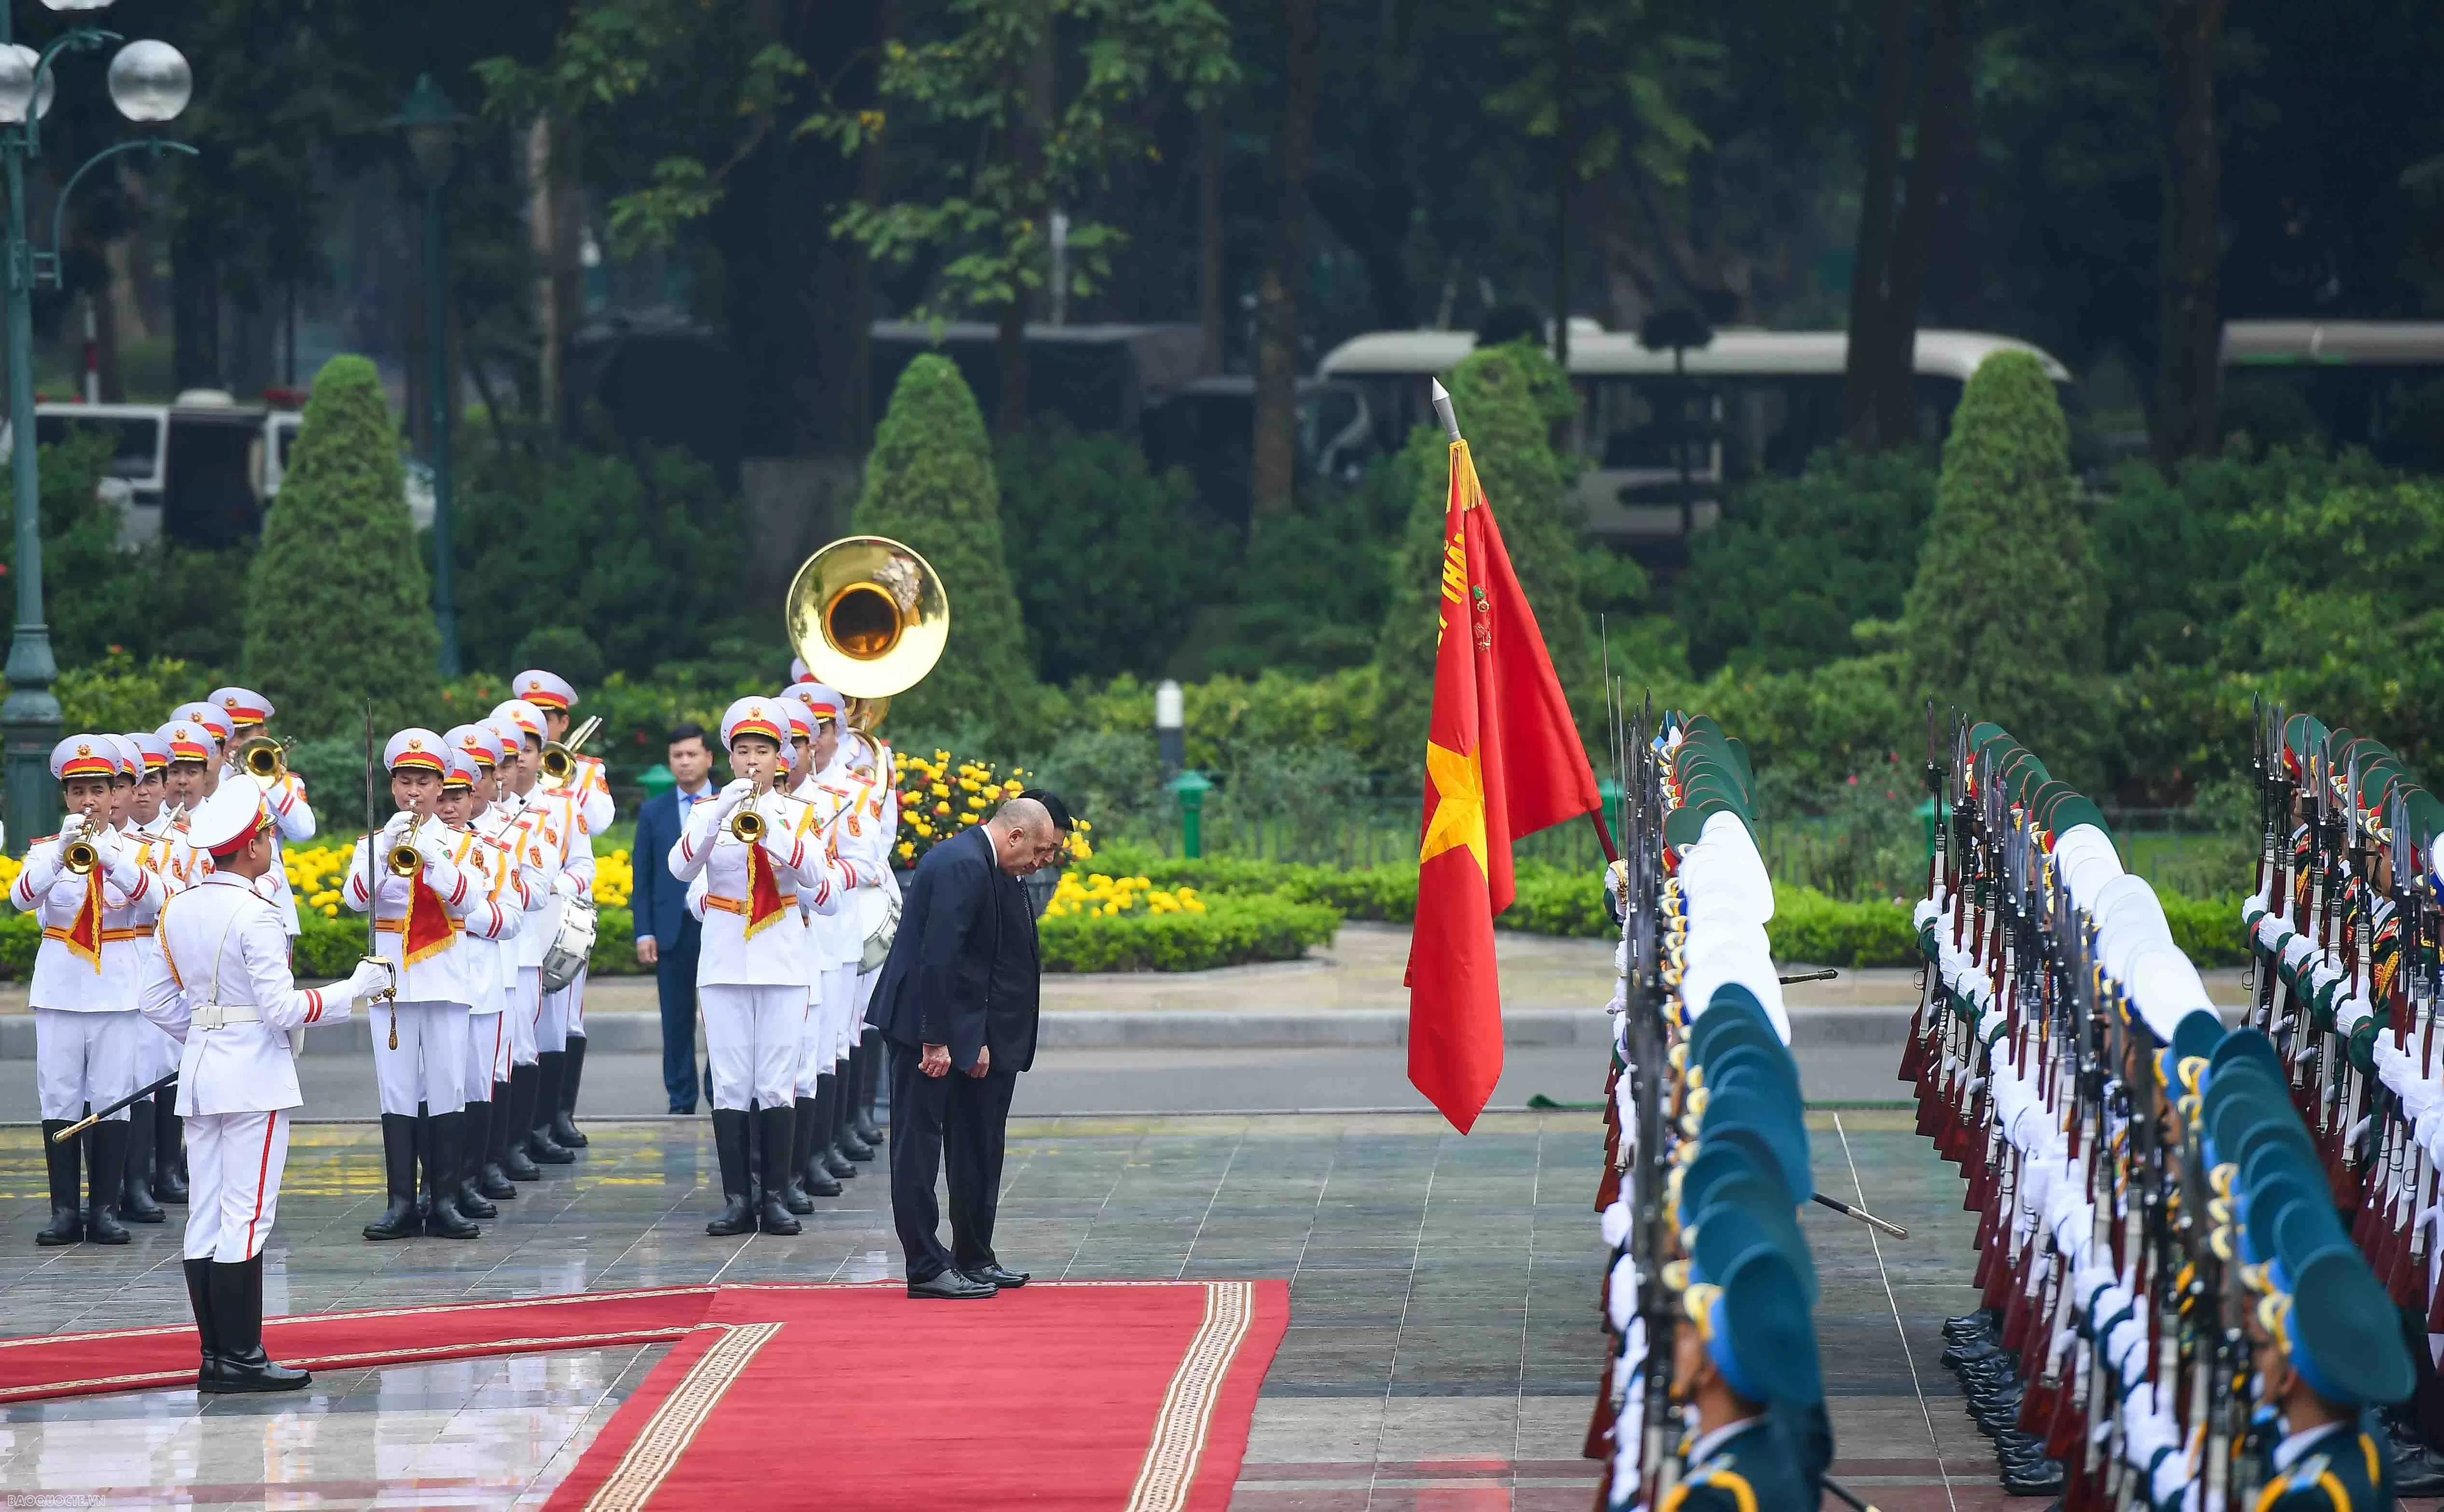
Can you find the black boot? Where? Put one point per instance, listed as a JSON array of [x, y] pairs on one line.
[[208, 1339], [564, 1119], [399, 1175], [827, 1088], [813, 1177], [541, 1147], [474, 1143], [773, 1214], [237, 1315], [135, 1204], [844, 1137], [730, 1144], [169, 1151], [869, 1074], [442, 1219], [508, 1139], [60, 1157], [105, 1169], [801, 1147], [492, 1181]]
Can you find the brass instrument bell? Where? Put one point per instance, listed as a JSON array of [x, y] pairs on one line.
[[404, 858], [560, 757], [263, 758], [869, 617], [746, 825], [78, 855]]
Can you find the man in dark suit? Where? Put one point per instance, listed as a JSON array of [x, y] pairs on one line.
[[956, 1006], [667, 934]]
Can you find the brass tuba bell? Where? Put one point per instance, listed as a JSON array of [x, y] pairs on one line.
[[263, 758], [870, 616]]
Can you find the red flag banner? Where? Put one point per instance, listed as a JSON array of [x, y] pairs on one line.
[[1503, 760]]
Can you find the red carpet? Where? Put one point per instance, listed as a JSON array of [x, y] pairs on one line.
[[1119, 1395]]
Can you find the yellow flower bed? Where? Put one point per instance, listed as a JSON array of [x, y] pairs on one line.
[[315, 874], [939, 797], [9, 867], [1109, 896]]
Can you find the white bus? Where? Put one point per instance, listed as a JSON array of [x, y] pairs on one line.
[[1753, 401]]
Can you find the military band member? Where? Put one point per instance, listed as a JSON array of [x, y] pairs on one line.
[[221, 987], [819, 1168], [250, 715], [212, 721], [163, 852], [488, 1023], [755, 964], [420, 1051], [194, 755], [550, 839], [871, 761], [589, 789], [94, 901], [848, 835]]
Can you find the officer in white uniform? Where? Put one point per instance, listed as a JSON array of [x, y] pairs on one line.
[[420, 1053], [513, 1045], [752, 973], [249, 713], [589, 789], [221, 987], [195, 757], [209, 718], [872, 762], [161, 851], [834, 945], [492, 967], [87, 1037], [550, 827]]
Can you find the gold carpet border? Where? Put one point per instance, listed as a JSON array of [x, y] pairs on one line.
[[674, 1426], [1169, 1474]]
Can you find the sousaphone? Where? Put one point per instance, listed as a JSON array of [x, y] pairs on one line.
[[868, 615]]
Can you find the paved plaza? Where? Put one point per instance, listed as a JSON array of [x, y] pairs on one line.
[[1442, 1351]]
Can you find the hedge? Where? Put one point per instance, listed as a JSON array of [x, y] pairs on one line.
[[1233, 931]]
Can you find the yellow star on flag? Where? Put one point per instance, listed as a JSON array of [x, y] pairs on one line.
[[1459, 805]]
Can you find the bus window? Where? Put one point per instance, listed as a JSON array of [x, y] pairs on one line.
[[135, 442]]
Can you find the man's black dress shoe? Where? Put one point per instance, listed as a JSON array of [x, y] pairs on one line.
[[996, 1275], [950, 1286]]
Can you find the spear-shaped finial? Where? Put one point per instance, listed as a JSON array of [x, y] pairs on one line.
[[1443, 409]]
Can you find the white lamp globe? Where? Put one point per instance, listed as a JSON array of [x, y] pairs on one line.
[[78, 5], [150, 82], [47, 88], [16, 84]]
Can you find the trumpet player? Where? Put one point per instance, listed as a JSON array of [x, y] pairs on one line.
[[250, 717], [553, 841], [490, 955], [508, 820], [220, 986], [208, 718], [94, 902], [195, 754], [421, 902], [810, 1177], [750, 861], [823, 1157], [150, 1178], [588, 790]]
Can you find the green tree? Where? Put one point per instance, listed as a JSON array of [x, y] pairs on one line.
[[2005, 617], [930, 483], [338, 611], [1507, 399]]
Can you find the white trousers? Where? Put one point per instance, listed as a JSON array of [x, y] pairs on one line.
[[158, 1054], [87, 1059], [523, 1005], [577, 1005], [488, 1054], [551, 1016], [430, 1065], [753, 1034], [234, 1165]]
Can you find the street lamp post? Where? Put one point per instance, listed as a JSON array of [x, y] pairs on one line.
[[149, 83], [430, 123]]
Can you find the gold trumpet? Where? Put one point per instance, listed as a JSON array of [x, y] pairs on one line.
[[263, 758], [748, 825], [78, 855], [405, 859], [560, 757]]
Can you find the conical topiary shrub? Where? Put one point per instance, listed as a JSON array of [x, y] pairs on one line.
[[930, 484], [2005, 618], [338, 609]]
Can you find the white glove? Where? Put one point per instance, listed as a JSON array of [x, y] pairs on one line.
[[372, 979], [396, 826], [568, 885], [740, 791]]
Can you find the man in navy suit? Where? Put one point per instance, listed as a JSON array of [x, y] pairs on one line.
[[956, 1006], [667, 934]]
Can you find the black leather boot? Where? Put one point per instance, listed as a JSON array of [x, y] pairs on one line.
[[135, 1204], [730, 1144], [517, 1159], [541, 1147], [509, 1151], [208, 1339], [869, 1074], [801, 1141], [827, 1090], [773, 1214], [564, 1120], [474, 1143], [60, 1158], [844, 1137], [399, 1175], [812, 1177], [169, 1151], [105, 1169], [442, 1219], [237, 1314]]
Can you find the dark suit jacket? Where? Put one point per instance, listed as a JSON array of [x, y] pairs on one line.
[[658, 900], [961, 914]]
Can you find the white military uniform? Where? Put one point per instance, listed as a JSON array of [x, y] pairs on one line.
[[590, 795], [881, 820], [507, 887]]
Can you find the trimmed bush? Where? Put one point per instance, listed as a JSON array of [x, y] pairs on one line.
[[338, 611], [2005, 617], [119, 694], [930, 483], [1232, 932]]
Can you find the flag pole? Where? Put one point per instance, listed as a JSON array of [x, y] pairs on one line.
[[1442, 402]]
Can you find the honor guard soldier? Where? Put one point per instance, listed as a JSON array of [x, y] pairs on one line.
[[872, 763], [1747, 1346], [94, 901], [194, 755], [208, 718], [421, 901], [221, 987], [849, 836], [589, 788], [250, 714], [553, 841], [750, 860], [151, 1179], [502, 823], [817, 1165], [488, 1032]]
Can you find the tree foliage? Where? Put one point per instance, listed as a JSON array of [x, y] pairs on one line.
[[930, 484], [338, 609], [2004, 618]]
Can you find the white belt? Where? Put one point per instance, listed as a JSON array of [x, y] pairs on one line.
[[221, 1015]]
